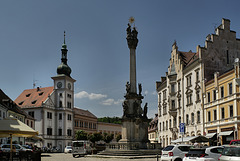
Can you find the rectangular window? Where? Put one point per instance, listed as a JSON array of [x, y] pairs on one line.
[[214, 115], [214, 95], [231, 111], [222, 113], [189, 81], [197, 75], [172, 88], [187, 119], [59, 132], [209, 116], [49, 115], [173, 104], [31, 113], [49, 131], [208, 97], [69, 117], [69, 132], [60, 104], [179, 86], [60, 116], [222, 92], [230, 88]]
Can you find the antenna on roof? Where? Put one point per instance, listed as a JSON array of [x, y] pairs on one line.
[[34, 82]]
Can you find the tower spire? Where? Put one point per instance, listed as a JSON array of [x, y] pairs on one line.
[[63, 68]]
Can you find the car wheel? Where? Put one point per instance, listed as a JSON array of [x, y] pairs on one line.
[[178, 159]]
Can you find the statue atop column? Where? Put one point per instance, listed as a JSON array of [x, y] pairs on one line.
[[132, 35]]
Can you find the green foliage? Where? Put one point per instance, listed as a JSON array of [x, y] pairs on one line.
[[114, 120], [95, 137], [118, 137], [81, 135], [107, 137]]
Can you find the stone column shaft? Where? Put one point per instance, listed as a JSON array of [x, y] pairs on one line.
[[133, 80]]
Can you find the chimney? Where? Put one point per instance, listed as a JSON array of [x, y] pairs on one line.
[[38, 89]]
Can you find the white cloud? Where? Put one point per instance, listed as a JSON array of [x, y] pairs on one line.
[[110, 101], [91, 96]]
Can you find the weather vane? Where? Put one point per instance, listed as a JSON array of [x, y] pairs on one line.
[[131, 20]]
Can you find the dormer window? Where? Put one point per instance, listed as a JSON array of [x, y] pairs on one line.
[[28, 95], [40, 93], [21, 103], [33, 102]]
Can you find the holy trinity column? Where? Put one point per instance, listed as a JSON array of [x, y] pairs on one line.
[[134, 120]]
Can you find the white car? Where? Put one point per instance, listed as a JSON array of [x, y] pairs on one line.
[[204, 154], [68, 149], [175, 152], [18, 147], [230, 153]]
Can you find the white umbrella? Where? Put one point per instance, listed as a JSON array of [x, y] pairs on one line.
[[11, 126]]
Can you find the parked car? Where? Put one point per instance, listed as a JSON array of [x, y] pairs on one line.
[[234, 142], [230, 153], [81, 147], [55, 150], [68, 149], [204, 154], [18, 147], [175, 152]]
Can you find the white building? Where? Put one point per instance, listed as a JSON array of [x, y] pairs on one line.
[[52, 107], [181, 91]]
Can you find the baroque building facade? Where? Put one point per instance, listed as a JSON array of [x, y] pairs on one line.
[[52, 107], [180, 92]]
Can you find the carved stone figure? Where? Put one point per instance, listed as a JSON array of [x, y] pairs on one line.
[[134, 33], [129, 33], [140, 88], [145, 110], [125, 108], [128, 86]]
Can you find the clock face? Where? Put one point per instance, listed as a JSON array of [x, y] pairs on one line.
[[59, 84], [69, 85]]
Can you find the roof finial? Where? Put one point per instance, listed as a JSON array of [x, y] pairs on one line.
[[64, 46], [64, 36]]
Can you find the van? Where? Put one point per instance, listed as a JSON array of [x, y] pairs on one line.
[[81, 147], [234, 142]]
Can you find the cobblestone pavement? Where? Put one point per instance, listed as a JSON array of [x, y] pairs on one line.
[[69, 157]]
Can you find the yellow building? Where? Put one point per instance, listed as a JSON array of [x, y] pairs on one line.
[[222, 107]]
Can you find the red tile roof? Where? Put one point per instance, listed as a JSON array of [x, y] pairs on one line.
[[188, 57], [81, 112], [33, 97]]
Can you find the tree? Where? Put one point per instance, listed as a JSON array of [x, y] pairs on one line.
[[95, 137], [118, 137], [107, 137], [81, 135]]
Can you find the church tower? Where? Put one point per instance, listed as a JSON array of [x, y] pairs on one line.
[[64, 100]]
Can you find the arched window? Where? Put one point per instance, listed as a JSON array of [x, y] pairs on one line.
[[192, 117], [198, 117]]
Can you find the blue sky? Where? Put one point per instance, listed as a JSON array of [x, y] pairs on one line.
[[31, 35]]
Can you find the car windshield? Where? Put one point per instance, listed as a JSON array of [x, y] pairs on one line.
[[231, 151], [78, 144], [168, 148], [69, 147], [196, 153]]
